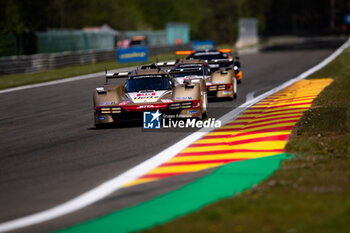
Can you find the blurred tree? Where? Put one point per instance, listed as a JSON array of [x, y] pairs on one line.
[[10, 17], [208, 19]]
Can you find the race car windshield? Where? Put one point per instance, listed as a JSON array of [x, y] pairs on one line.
[[145, 84], [209, 56], [181, 75]]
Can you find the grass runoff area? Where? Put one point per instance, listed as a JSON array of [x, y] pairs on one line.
[[311, 191], [8, 81]]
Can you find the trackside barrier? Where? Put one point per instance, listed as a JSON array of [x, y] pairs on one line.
[[43, 62], [248, 32]]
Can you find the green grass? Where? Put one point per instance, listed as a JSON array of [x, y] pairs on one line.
[[8, 81], [310, 192]]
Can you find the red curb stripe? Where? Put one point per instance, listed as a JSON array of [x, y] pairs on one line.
[[280, 106], [260, 121], [272, 115], [261, 139], [276, 129], [255, 126], [221, 152], [264, 113], [266, 100], [289, 97], [201, 162], [162, 175], [285, 101]]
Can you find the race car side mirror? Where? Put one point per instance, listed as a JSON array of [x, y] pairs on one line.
[[187, 82]]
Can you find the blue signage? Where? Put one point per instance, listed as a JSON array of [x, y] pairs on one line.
[[203, 45], [135, 54], [347, 19]]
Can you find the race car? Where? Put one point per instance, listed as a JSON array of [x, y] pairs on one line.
[[147, 89], [193, 69], [216, 59], [220, 84], [223, 84]]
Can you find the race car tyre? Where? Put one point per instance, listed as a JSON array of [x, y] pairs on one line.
[[205, 112], [101, 126], [234, 96], [204, 115], [234, 89]]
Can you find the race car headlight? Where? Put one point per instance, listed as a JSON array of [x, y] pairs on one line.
[[222, 87], [174, 106], [109, 110], [105, 110], [116, 110], [182, 105], [186, 105], [235, 67]]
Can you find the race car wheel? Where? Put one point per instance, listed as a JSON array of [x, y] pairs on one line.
[[100, 126], [204, 114], [205, 109], [234, 89]]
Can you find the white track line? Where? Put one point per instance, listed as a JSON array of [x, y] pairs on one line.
[[250, 96], [134, 173]]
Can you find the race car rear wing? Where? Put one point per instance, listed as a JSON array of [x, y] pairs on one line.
[[116, 75], [225, 50], [220, 60], [178, 71], [169, 63], [160, 65], [188, 83], [184, 52], [188, 52]]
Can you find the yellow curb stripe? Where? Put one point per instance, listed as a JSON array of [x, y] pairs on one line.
[[281, 110], [183, 168]]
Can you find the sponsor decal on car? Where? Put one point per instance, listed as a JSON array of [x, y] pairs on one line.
[[145, 106], [184, 98], [107, 103], [214, 65], [166, 100], [124, 103], [145, 97], [101, 118], [192, 112], [146, 94]]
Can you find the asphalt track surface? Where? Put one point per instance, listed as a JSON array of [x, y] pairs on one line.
[[50, 152]]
